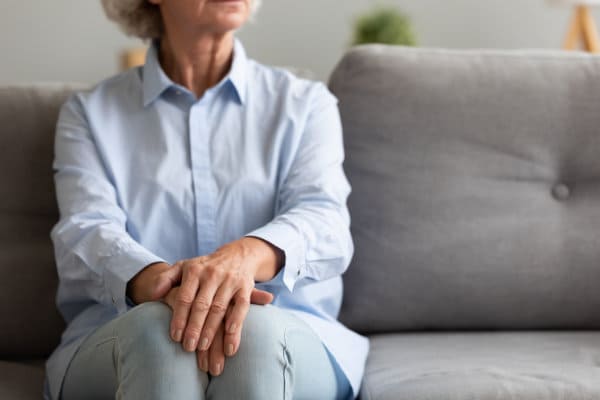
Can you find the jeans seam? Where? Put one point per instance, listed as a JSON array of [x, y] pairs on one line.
[[105, 341], [119, 395], [286, 366]]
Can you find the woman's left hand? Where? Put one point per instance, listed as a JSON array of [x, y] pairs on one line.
[[213, 359], [212, 284]]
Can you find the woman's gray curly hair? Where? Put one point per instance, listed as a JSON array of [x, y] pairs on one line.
[[140, 17]]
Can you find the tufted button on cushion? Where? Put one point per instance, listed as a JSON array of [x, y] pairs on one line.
[[560, 191]]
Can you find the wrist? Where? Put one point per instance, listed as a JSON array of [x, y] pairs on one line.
[[267, 259], [136, 289]]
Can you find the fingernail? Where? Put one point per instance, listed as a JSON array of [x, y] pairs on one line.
[[204, 364], [232, 328], [204, 344], [190, 344], [229, 349], [177, 334], [218, 369]]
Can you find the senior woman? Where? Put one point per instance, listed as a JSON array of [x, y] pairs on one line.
[[203, 225]]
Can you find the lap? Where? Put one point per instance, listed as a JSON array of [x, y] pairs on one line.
[[133, 344], [289, 356]]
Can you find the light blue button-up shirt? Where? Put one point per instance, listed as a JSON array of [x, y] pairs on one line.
[[145, 172]]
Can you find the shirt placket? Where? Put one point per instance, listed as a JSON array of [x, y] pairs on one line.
[[205, 193]]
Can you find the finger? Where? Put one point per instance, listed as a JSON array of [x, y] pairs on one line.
[[197, 316], [160, 289], [175, 273], [233, 334], [165, 281], [217, 358], [260, 297], [169, 299], [183, 303], [216, 314], [202, 358]]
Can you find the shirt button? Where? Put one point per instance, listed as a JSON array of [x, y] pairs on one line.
[[560, 191], [114, 301]]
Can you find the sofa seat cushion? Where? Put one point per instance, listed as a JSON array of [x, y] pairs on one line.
[[21, 381], [484, 366]]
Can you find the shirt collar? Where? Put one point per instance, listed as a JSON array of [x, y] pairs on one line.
[[155, 81], [239, 68]]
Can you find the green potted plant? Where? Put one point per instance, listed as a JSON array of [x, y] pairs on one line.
[[384, 25]]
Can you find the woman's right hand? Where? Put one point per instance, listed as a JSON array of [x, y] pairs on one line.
[[154, 282]]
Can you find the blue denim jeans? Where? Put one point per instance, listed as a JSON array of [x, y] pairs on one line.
[[133, 357]]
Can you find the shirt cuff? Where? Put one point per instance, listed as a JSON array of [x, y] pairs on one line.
[[287, 239], [120, 269]]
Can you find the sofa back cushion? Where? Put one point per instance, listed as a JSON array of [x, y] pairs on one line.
[[30, 325], [476, 189]]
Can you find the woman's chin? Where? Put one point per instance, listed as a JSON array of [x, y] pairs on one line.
[[228, 23], [221, 9]]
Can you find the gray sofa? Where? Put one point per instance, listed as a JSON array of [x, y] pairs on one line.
[[475, 214]]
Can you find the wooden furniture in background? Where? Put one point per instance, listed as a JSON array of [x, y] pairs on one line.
[[133, 58], [583, 30]]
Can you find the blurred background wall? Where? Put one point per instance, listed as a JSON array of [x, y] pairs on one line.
[[70, 40]]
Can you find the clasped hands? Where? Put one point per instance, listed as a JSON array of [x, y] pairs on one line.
[[210, 296]]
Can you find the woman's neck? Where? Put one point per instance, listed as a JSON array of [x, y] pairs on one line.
[[196, 63]]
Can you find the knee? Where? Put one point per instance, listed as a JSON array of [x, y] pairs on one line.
[[264, 345], [152, 316], [145, 330], [257, 369], [148, 356], [264, 330]]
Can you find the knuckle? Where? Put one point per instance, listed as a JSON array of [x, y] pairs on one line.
[[178, 324], [208, 333], [231, 276], [183, 300], [201, 304], [194, 270], [246, 286], [195, 265], [193, 331], [213, 273], [241, 300], [233, 336], [218, 307], [184, 296]]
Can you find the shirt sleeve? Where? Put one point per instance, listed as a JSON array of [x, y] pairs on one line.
[[95, 255], [312, 225]]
